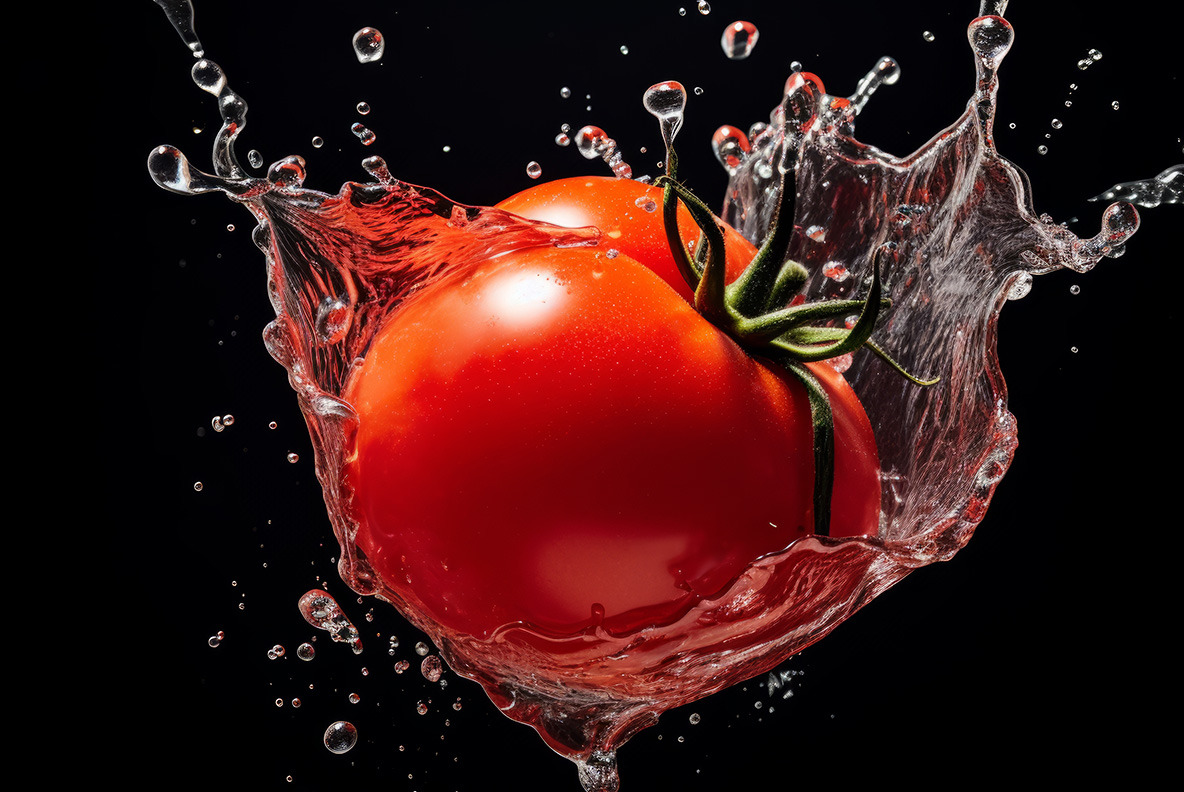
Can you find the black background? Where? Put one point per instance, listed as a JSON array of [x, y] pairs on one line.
[[1041, 650]]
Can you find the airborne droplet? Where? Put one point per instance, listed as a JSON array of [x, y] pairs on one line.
[[738, 39], [534, 170], [340, 737], [368, 45], [432, 668]]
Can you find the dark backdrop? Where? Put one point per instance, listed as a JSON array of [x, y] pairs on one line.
[[1043, 640]]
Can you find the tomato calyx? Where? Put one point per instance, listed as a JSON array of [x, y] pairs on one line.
[[761, 309]]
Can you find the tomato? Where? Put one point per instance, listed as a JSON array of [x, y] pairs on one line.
[[561, 439], [618, 207]]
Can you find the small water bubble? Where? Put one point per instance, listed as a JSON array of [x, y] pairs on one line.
[[456, 705], [363, 133], [1068, 103], [306, 651], [738, 39], [432, 668], [562, 140], [215, 640], [422, 648], [354, 698], [928, 36], [534, 170], [296, 703], [1073, 349], [1114, 104], [368, 45], [1056, 123], [363, 108], [1084, 63], [254, 158], [795, 66], [272, 425], [1011, 125], [682, 12], [1042, 149], [293, 457], [197, 486], [279, 702], [646, 204], [340, 737], [421, 708], [318, 141], [216, 423], [704, 7], [565, 92], [401, 666], [624, 50], [446, 149], [694, 719], [278, 650], [1094, 55], [1074, 289], [698, 90], [612, 253]]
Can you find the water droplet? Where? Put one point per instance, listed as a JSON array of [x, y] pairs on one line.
[[354, 698], [296, 703], [340, 737], [216, 423], [666, 101], [368, 45], [1056, 123], [208, 76], [446, 149], [401, 666], [272, 425], [565, 92], [928, 36], [612, 253], [422, 649], [363, 108], [591, 141], [215, 641], [279, 702], [306, 651], [534, 170], [704, 7], [1114, 104], [694, 719], [1074, 289], [562, 140], [1068, 103], [731, 148], [255, 159], [682, 12], [322, 611], [431, 668], [1011, 125], [738, 39], [456, 705], [277, 650], [421, 708], [646, 204], [1084, 63], [1073, 349], [318, 141], [990, 37], [197, 486], [624, 50], [363, 133], [293, 457], [1095, 55], [698, 90], [1042, 149]]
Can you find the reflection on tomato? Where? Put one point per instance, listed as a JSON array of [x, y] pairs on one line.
[[561, 439]]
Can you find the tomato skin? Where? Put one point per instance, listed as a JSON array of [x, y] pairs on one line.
[[562, 440], [612, 205]]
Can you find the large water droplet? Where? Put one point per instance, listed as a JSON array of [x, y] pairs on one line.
[[432, 668], [666, 101], [340, 737], [738, 39], [322, 611], [991, 38], [591, 141], [368, 45], [534, 170], [704, 7], [363, 133], [208, 76], [731, 148]]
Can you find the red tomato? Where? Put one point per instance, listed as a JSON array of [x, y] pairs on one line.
[[618, 208], [560, 439]]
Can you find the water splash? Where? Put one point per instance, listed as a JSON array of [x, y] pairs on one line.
[[965, 235], [1165, 188]]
